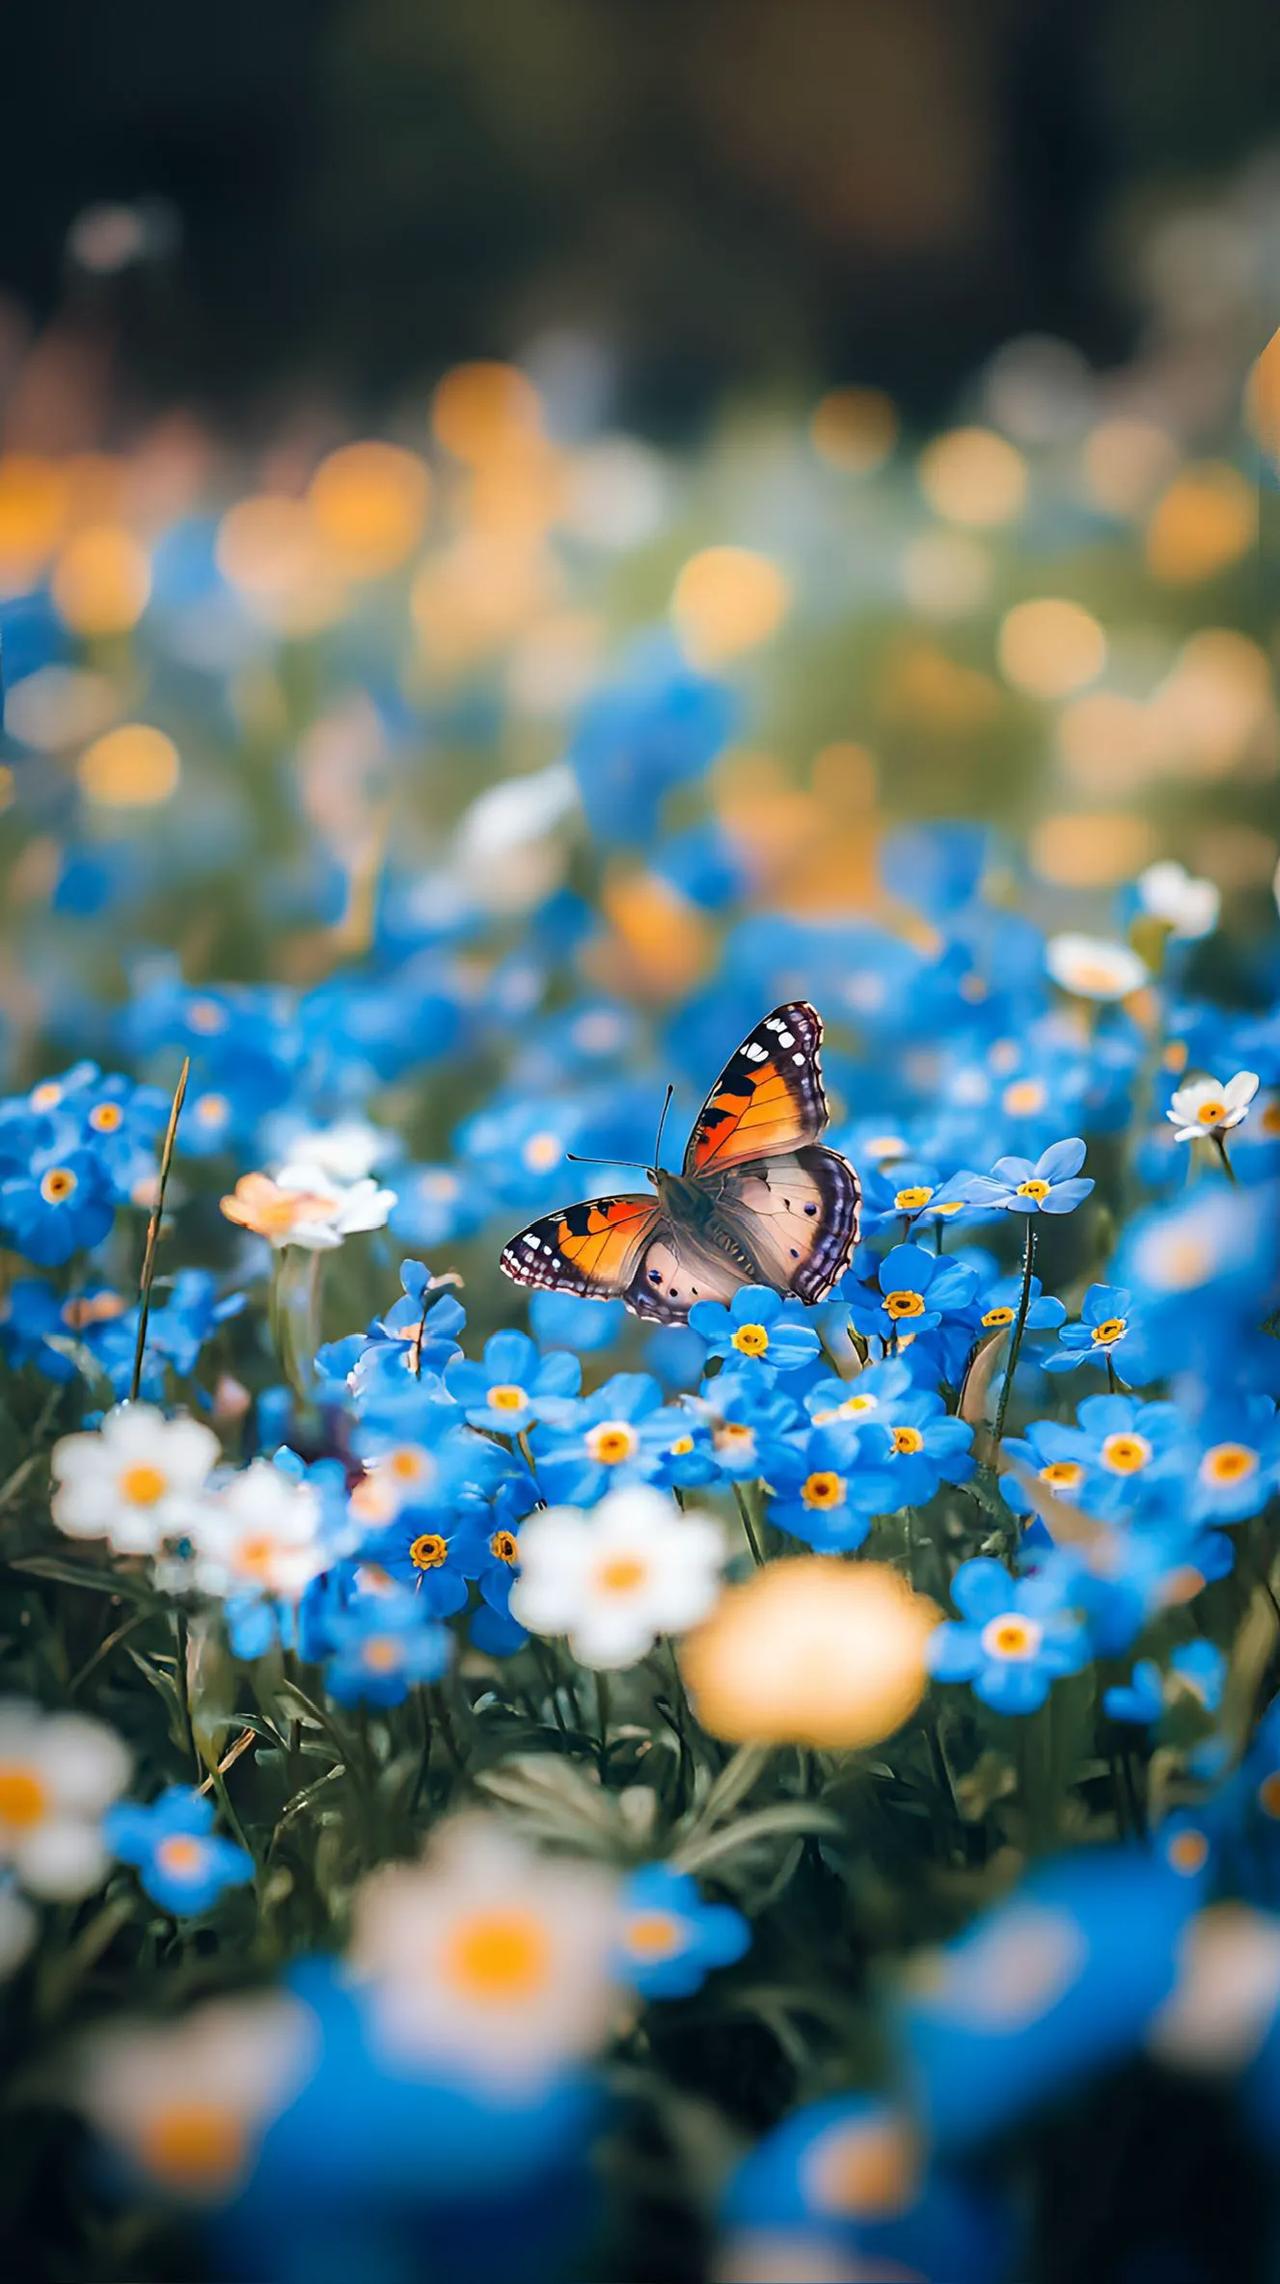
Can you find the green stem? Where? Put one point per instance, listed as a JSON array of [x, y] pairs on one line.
[[1019, 1324], [748, 1525], [181, 1686], [147, 1278], [1220, 1145]]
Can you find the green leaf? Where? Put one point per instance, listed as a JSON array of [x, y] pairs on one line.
[[98, 1581], [786, 1817]]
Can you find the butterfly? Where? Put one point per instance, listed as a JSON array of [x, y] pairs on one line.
[[758, 1200]]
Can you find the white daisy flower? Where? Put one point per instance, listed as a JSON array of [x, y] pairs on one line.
[[1208, 1107], [306, 1206], [615, 1579], [1093, 967], [136, 1480], [261, 1534], [1189, 907], [346, 1152], [58, 1772], [186, 2102], [486, 1956]]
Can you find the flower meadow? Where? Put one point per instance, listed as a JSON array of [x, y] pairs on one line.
[[492, 1786]]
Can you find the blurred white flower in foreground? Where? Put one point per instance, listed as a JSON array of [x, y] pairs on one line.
[[1170, 893], [343, 1153], [615, 1579], [487, 1957], [1094, 968], [136, 1480], [58, 1772], [305, 1206], [186, 2102], [1208, 1107], [262, 1534]]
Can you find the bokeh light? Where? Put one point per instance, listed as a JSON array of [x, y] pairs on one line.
[[132, 767]]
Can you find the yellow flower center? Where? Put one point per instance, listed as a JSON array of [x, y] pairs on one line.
[[499, 1957], [611, 1442], [205, 1016], [866, 2171], [428, 1551], [1012, 1636], [1093, 975], [996, 1318], [23, 1799], [382, 1653], [506, 1397], [898, 1305], [1188, 1852], [193, 2144], [408, 1464], [682, 1446], [1112, 1328], [1035, 1189], [211, 1109], [1125, 1454], [256, 1556], [57, 1185], [1210, 1112], [911, 1200], [1062, 1474], [907, 1441], [1228, 1463], [46, 1096], [653, 1934], [106, 1117], [503, 1547], [622, 1574], [734, 1431], [751, 1340], [1269, 1118], [1269, 1794], [181, 1853], [825, 1489], [143, 1485], [950, 1205]]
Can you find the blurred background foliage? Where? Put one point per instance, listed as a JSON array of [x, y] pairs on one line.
[[723, 194]]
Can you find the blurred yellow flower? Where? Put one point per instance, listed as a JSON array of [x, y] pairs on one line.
[[727, 600], [811, 1652], [973, 476], [101, 580], [129, 768], [1203, 524], [369, 505]]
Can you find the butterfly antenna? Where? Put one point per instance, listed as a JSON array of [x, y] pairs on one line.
[[657, 1147], [575, 1160]]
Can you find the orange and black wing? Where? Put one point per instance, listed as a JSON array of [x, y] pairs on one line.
[[768, 1099], [593, 1249]]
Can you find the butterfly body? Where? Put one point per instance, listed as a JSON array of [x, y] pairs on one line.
[[758, 1200]]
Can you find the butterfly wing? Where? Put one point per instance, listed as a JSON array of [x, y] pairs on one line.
[[626, 1248], [680, 1266], [592, 1249], [795, 1216], [768, 1098]]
